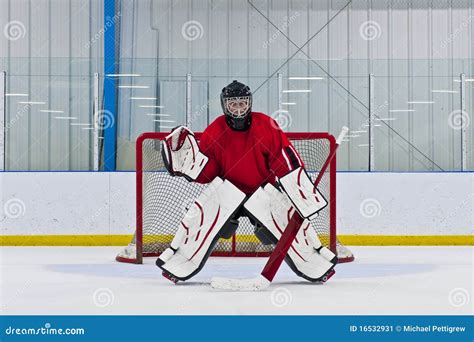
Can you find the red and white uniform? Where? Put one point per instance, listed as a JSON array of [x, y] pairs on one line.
[[248, 158]]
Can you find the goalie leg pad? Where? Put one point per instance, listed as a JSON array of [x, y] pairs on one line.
[[200, 229], [307, 257]]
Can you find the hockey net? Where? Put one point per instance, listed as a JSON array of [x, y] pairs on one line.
[[162, 201]]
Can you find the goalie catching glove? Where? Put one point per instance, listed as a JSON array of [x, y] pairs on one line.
[[181, 154], [307, 257]]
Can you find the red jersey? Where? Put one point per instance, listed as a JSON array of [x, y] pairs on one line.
[[248, 158]]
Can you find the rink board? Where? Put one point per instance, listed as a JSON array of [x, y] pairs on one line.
[[372, 208], [123, 240]]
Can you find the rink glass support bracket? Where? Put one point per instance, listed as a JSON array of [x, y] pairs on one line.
[[371, 123], [280, 92], [189, 94], [97, 125], [3, 131], [463, 124]]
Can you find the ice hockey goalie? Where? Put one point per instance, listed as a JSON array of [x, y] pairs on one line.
[[252, 170]]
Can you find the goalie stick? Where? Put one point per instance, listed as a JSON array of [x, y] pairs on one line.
[[281, 249]]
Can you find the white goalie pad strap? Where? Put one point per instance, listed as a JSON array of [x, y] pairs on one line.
[[302, 193], [203, 221], [182, 154], [273, 210]]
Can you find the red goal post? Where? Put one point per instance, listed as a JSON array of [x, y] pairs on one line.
[[158, 195]]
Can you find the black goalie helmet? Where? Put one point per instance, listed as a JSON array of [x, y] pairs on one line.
[[236, 101]]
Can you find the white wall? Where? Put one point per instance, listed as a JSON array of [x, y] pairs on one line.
[[104, 203], [51, 53], [411, 48], [419, 45], [405, 203], [68, 203]]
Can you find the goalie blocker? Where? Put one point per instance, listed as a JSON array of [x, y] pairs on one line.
[[303, 194]]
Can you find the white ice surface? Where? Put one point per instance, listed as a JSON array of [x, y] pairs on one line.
[[383, 280]]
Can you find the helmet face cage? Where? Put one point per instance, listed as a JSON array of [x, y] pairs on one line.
[[236, 101], [237, 107]]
